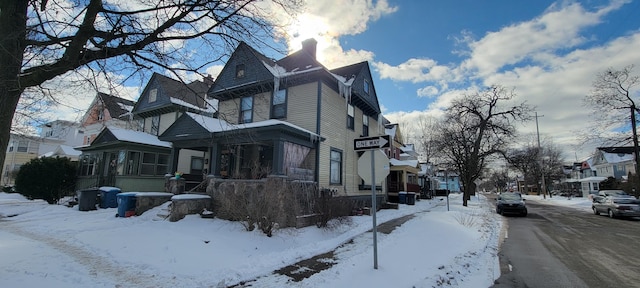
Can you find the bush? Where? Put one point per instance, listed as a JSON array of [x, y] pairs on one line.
[[329, 207], [46, 178]]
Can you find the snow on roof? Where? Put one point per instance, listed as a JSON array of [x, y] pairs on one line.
[[219, 125], [424, 168], [396, 162], [617, 157], [391, 131], [137, 137], [180, 102], [594, 179], [68, 150]]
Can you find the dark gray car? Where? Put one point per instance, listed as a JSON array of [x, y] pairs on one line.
[[511, 203]]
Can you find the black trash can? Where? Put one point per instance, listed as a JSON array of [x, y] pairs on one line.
[[402, 197], [411, 198], [87, 199]]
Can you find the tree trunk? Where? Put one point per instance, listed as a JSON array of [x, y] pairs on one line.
[[13, 23]]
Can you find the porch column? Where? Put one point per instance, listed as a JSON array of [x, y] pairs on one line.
[[405, 179], [173, 164], [278, 158], [214, 159]]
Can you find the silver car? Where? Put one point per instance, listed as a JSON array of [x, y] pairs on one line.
[[617, 207]]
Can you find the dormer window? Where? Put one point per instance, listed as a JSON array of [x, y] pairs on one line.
[[240, 71], [153, 95], [366, 86]]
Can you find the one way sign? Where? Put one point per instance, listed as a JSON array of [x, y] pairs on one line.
[[370, 143]]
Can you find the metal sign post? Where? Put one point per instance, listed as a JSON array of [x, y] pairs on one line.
[[373, 212], [373, 146]]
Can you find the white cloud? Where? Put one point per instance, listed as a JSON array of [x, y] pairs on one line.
[[326, 21], [428, 91]]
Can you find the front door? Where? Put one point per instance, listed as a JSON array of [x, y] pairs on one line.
[[110, 169]]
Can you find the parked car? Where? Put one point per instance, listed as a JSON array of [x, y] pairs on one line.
[[511, 203], [611, 193], [616, 207]]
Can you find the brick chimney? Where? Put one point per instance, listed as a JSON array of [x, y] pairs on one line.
[[309, 46]]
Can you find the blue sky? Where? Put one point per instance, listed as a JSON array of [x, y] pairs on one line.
[[425, 53]]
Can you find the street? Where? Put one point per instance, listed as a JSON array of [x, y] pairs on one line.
[[556, 246]]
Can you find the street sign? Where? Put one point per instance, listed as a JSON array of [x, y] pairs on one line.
[[370, 143], [381, 170]]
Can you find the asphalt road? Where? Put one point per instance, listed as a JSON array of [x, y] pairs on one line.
[[556, 246]]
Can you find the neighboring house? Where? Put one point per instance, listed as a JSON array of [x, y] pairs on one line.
[[448, 180], [107, 110], [136, 160], [404, 164], [58, 139], [55, 139], [616, 162], [20, 150], [291, 117]]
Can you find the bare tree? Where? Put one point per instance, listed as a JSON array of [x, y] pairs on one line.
[[535, 163], [426, 138], [616, 92], [45, 39], [476, 127]]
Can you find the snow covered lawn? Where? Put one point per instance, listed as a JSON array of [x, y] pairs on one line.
[[56, 246]]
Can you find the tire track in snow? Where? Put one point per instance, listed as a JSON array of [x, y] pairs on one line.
[[99, 267]]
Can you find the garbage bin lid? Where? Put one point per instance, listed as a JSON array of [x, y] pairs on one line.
[[109, 189], [127, 194]]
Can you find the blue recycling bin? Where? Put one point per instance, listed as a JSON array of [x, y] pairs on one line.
[[126, 204], [402, 197], [108, 197]]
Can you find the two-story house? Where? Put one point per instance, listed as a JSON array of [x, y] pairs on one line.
[[291, 117], [404, 165], [107, 110], [616, 162], [135, 159]]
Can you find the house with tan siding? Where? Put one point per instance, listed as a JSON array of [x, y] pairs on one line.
[[291, 117]]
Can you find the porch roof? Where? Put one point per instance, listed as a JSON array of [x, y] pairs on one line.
[[214, 125], [405, 165], [593, 179]]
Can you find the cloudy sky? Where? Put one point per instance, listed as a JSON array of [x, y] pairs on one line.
[[424, 53]]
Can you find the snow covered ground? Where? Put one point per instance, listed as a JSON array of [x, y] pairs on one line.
[[45, 245]]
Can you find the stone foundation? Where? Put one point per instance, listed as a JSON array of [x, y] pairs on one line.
[[185, 204], [148, 200]]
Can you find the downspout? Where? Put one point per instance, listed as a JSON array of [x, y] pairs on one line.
[[318, 119]]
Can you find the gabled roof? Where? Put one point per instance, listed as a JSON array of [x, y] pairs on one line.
[[117, 106], [617, 150], [612, 155], [295, 66], [63, 151], [111, 134], [173, 95], [192, 93]]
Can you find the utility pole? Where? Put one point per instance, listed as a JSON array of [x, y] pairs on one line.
[[544, 188]]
